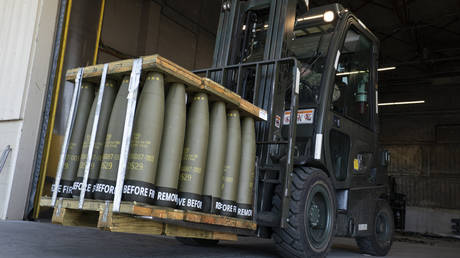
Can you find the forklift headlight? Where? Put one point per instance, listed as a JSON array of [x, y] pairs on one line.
[[328, 16]]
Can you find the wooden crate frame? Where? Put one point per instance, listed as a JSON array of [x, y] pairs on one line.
[[147, 219], [173, 73]]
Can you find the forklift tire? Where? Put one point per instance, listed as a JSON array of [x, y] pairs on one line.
[[379, 243], [312, 213], [197, 241]]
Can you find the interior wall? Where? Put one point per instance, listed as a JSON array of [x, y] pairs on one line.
[[81, 40], [180, 30], [176, 29], [424, 142]]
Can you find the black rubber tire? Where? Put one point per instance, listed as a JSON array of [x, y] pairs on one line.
[[293, 241], [372, 244], [197, 241]]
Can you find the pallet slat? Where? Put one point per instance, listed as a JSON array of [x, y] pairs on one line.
[[129, 224], [143, 219], [174, 230]]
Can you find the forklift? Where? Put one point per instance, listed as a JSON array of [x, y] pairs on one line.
[[320, 171]]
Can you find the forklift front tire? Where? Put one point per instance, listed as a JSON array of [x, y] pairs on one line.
[[311, 218], [379, 243]]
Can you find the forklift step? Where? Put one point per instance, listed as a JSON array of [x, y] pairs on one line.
[[270, 168], [268, 218], [271, 181]]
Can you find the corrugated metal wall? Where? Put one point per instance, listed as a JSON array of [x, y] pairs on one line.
[[430, 191], [424, 142]]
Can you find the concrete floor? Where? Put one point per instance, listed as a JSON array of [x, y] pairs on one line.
[[33, 239]]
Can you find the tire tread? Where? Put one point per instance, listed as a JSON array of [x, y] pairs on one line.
[[368, 244], [288, 240]]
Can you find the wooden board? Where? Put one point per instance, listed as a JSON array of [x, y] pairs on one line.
[[234, 101], [173, 73], [99, 213], [174, 230]]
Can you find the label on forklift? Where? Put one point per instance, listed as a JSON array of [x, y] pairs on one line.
[[263, 114], [362, 227], [277, 121], [304, 116], [356, 164]]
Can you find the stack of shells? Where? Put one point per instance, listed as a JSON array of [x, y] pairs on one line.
[[196, 156]]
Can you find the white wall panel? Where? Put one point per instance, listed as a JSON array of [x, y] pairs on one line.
[[17, 25], [26, 40], [10, 132]]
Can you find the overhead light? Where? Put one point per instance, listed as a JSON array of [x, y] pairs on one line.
[[244, 27], [328, 16], [402, 103], [348, 73], [313, 17], [355, 72], [265, 25], [386, 68]]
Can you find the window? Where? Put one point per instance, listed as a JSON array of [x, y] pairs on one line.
[[339, 146], [310, 46], [350, 96]]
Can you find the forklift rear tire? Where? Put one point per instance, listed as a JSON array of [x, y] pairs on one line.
[[197, 241], [312, 213], [379, 243]]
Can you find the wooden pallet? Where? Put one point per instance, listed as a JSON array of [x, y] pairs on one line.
[[147, 219], [173, 73]]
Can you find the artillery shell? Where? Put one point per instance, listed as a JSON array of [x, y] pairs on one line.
[[246, 180], [232, 165], [72, 158], [145, 142], [212, 189], [105, 186], [110, 91], [172, 143], [194, 154]]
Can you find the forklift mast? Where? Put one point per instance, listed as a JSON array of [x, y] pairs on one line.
[[250, 55]]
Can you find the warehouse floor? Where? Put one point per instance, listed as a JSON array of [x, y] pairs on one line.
[[33, 239]]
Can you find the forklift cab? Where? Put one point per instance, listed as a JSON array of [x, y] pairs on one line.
[[337, 98]]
